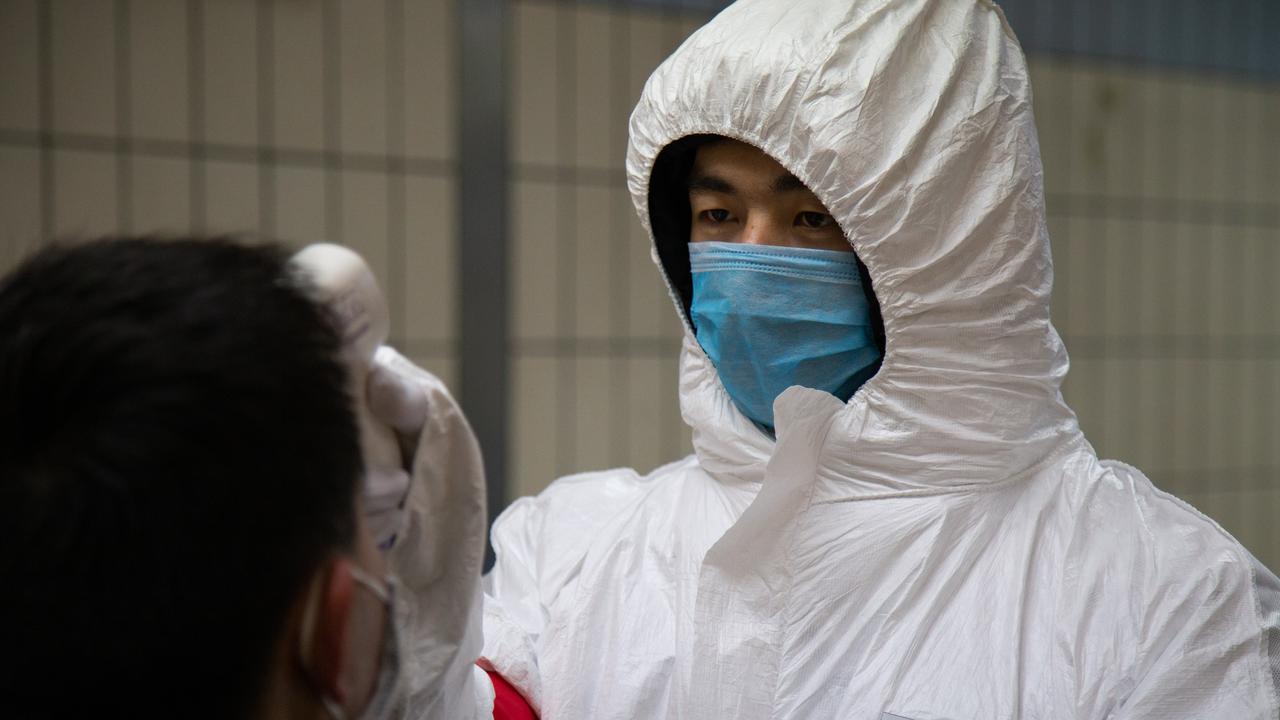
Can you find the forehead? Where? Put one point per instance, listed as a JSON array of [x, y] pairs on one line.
[[733, 167], [738, 158]]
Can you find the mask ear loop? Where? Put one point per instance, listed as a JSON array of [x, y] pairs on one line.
[[306, 643], [370, 583]]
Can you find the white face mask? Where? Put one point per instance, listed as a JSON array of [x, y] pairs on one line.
[[386, 692]]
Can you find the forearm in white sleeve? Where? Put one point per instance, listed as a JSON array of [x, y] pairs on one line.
[[438, 557], [514, 615]]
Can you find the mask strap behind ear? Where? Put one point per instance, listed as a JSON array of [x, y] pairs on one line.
[[306, 635], [306, 644], [370, 583]]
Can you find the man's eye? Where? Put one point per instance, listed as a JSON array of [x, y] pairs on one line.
[[717, 215], [814, 220]]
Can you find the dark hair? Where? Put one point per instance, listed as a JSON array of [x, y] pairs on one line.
[[178, 454], [670, 215]]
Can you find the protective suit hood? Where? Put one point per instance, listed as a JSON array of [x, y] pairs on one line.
[[912, 123]]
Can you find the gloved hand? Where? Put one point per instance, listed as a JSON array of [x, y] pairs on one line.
[[340, 280], [385, 489], [396, 401], [437, 531]]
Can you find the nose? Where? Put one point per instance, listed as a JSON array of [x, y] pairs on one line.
[[762, 229]]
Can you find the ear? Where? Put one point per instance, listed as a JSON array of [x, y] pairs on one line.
[[329, 619]]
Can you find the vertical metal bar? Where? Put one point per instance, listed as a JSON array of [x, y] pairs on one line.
[[195, 114], [44, 68], [566, 64], [483, 335], [265, 30], [124, 117], [331, 70], [397, 180], [1093, 25], [620, 219]]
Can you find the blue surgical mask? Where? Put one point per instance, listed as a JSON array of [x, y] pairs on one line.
[[772, 317]]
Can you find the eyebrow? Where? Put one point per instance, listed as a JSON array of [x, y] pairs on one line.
[[787, 183], [711, 183]]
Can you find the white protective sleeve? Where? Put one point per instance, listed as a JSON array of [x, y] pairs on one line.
[[514, 616], [438, 558], [540, 543]]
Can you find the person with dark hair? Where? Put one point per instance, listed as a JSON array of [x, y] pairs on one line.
[[180, 525]]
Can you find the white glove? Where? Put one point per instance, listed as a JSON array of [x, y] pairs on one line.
[[438, 530], [396, 401], [340, 280], [385, 489]]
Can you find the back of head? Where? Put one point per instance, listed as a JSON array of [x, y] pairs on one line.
[[177, 455]]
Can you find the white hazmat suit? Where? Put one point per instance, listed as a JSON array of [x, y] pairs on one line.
[[944, 546]]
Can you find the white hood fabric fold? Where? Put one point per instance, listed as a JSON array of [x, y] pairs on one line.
[[944, 546]]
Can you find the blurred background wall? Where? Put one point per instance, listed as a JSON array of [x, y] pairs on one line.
[[340, 119]]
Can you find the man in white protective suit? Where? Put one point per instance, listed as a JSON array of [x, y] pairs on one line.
[[936, 542]]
